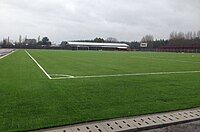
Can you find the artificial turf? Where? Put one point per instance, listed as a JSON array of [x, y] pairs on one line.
[[29, 100]]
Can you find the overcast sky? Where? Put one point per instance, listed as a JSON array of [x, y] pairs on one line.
[[86, 19]]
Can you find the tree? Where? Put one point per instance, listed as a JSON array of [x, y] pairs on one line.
[[147, 38], [1, 43], [194, 35], [4, 42], [181, 35], [172, 35], [99, 40], [188, 35], [177, 36], [198, 34], [39, 43], [45, 41], [111, 39]]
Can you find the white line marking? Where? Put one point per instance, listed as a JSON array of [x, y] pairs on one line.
[[120, 75], [62, 78], [39, 65], [183, 61], [61, 75], [7, 54]]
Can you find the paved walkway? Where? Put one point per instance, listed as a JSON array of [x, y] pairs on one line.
[[141, 123], [5, 52], [183, 127]]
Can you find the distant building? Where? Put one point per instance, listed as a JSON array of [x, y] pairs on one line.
[[143, 45], [30, 42], [95, 46]]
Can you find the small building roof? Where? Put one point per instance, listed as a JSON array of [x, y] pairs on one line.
[[98, 44]]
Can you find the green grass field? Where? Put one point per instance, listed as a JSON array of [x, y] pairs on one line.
[[29, 100]]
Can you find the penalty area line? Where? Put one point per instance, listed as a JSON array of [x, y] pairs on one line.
[[121, 75], [38, 65]]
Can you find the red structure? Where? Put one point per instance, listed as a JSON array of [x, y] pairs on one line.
[[195, 48]]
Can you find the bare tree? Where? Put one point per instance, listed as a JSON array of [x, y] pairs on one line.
[[188, 35], [194, 35], [175, 35], [181, 35], [198, 34], [147, 38], [111, 39]]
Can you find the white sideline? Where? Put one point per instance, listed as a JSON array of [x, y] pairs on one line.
[[7, 54], [120, 75], [39, 65]]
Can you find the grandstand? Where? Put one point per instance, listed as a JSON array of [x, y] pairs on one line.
[[96, 46]]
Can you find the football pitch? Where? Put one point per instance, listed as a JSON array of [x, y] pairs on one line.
[[47, 88]]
